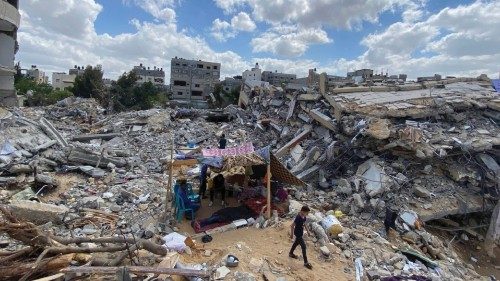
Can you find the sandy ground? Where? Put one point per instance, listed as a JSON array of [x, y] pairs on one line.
[[270, 245]]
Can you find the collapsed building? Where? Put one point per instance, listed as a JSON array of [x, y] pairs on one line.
[[72, 184]]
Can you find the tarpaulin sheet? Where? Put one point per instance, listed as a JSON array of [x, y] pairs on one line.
[[232, 151]]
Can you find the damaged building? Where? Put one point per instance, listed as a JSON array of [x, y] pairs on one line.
[[9, 24]]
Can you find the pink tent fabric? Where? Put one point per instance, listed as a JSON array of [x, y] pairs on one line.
[[232, 151]]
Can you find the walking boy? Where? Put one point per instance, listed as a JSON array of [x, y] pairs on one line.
[[298, 230]]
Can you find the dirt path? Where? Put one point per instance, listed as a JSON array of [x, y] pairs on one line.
[[273, 245]]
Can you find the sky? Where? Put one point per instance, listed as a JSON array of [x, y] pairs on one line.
[[416, 37]]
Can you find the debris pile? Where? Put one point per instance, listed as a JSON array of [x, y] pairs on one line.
[[82, 186]]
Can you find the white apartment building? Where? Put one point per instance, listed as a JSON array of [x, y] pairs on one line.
[[155, 75], [193, 79], [9, 24], [62, 80], [37, 75], [255, 74]]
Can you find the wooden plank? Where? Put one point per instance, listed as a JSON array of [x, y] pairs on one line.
[[136, 269], [186, 162], [55, 277]]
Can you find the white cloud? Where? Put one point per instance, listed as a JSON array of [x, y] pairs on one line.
[[243, 22], [229, 6], [455, 41], [223, 30], [160, 9], [335, 13], [289, 40], [46, 42]]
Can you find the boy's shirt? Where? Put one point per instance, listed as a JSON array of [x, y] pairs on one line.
[[299, 225]]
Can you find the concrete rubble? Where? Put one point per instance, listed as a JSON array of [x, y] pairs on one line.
[[432, 152]]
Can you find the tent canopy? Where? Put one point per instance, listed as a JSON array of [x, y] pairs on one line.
[[246, 156]]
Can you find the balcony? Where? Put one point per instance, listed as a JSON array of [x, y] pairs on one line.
[[9, 15]]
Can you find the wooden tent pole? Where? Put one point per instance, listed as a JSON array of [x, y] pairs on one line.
[[268, 212], [170, 176]]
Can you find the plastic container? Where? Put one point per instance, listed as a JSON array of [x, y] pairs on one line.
[[332, 225]]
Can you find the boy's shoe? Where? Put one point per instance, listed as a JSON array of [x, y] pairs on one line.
[[210, 204], [223, 204], [308, 266], [293, 256]]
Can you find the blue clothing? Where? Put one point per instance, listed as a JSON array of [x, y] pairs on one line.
[[299, 226], [188, 204]]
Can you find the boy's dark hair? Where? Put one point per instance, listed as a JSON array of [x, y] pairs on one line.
[[223, 136], [305, 209]]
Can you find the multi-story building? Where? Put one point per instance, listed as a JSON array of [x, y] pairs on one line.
[[77, 70], [155, 75], [231, 83], [361, 75], [9, 24], [255, 74], [193, 79], [61, 80], [277, 79], [37, 75]]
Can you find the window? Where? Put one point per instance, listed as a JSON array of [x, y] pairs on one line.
[[196, 85], [180, 83], [184, 64], [215, 66], [179, 93], [178, 64], [216, 73], [208, 67], [200, 65], [58, 80], [197, 93]]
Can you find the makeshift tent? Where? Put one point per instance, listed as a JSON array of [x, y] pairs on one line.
[[246, 156]]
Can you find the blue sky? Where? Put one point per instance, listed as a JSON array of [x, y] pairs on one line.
[[418, 37]]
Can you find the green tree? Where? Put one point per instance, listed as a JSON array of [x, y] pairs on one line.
[[24, 84], [90, 84], [126, 94]]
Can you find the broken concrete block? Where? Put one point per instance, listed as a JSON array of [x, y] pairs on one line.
[[20, 169], [421, 191], [325, 251], [344, 187], [376, 181], [324, 120], [91, 202], [379, 129], [358, 201], [46, 179], [38, 213]]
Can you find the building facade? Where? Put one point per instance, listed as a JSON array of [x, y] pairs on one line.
[[61, 80], [193, 79], [277, 79], [231, 83], [77, 70], [155, 75], [255, 74], [9, 24], [37, 75]]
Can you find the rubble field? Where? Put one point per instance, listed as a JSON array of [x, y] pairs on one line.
[[81, 187]]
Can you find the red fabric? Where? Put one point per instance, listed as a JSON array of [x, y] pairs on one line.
[[256, 204]]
